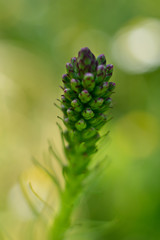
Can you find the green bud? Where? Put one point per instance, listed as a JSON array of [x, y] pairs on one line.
[[65, 101], [101, 90], [68, 123], [101, 118], [96, 103], [84, 96], [109, 71], [101, 72], [88, 82], [69, 94], [88, 114], [66, 80], [86, 62], [112, 86], [89, 132], [101, 59], [105, 105], [64, 108], [73, 62], [75, 85], [70, 69], [72, 115], [109, 68], [80, 125], [77, 105]]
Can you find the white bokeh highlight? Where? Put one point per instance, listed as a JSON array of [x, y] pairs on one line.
[[136, 48]]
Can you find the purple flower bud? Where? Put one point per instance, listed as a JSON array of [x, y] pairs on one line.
[[112, 86], [96, 103], [80, 125], [84, 52], [88, 82], [101, 90], [100, 74], [66, 80], [69, 94], [101, 59], [73, 62], [109, 68], [86, 61], [109, 71], [88, 114], [77, 105], [75, 85], [70, 70], [84, 96], [106, 105], [64, 108], [68, 123], [64, 100], [72, 115], [69, 67]]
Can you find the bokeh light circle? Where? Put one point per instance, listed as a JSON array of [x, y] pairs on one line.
[[136, 47]]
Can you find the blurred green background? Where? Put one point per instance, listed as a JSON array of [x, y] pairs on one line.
[[37, 38]]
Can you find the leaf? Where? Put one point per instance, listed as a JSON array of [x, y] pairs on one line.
[[54, 179], [52, 151]]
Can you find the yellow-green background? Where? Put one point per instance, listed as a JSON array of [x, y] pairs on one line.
[[37, 38]]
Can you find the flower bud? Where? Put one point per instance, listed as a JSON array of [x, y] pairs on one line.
[[84, 96], [64, 108], [112, 86], [73, 62], [68, 123], [109, 68], [69, 94], [80, 125], [86, 61], [101, 59], [101, 90], [100, 74], [98, 120], [66, 80], [109, 71], [106, 105], [72, 115], [77, 105], [64, 100], [88, 81], [88, 114], [89, 132], [69, 68], [75, 85], [96, 103]]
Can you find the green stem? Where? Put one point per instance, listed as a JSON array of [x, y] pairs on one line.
[[62, 221]]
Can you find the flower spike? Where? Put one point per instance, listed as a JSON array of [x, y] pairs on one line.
[[86, 96], [85, 103]]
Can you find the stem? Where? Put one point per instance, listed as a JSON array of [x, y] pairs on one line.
[[62, 221]]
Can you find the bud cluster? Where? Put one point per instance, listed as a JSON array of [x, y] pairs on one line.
[[86, 98]]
